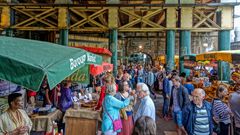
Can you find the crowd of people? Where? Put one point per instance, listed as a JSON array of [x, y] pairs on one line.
[[126, 103], [182, 102]]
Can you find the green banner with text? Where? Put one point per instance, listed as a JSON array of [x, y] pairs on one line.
[[82, 75]]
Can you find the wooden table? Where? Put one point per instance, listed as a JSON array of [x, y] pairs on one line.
[[44, 122], [84, 121]]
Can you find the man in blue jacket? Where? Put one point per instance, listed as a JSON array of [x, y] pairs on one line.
[[197, 116], [166, 95]]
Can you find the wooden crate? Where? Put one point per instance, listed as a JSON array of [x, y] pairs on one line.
[[80, 126], [81, 122]]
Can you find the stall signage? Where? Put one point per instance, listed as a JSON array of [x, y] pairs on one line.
[[81, 75], [91, 58], [209, 56], [77, 62]]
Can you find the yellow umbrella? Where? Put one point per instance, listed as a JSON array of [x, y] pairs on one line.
[[231, 56]]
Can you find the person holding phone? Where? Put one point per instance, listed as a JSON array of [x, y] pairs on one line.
[[15, 121]]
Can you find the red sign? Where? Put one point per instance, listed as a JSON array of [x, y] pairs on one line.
[[107, 67], [98, 69]]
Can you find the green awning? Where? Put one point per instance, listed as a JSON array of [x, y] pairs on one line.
[[27, 62], [190, 57]]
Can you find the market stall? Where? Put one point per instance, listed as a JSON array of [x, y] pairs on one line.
[[189, 61], [231, 56], [28, 62], [44, 123]]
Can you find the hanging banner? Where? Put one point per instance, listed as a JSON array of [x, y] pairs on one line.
[[81, 75]]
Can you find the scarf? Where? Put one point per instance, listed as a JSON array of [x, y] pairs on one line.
[[16, 117]]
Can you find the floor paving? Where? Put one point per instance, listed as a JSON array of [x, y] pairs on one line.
[[163, 127]]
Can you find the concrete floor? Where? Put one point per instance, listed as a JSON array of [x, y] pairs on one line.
[[163, 127]]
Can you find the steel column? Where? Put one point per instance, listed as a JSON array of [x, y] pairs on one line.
[[9, 31], [184, 49], [114, 44], [170, 50], [63, 37], [224, 44]]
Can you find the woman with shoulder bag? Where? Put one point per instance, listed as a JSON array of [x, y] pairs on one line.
[[111, 123], [221, 111]]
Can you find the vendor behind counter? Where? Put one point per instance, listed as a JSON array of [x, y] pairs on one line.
[[15, 121]]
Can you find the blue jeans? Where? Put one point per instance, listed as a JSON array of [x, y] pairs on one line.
[[177, 117], [165, 106], [224, 128], [236, 131], [110, 132], [140, 80]]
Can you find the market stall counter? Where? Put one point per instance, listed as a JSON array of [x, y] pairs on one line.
[[44, 123], [83, 120]]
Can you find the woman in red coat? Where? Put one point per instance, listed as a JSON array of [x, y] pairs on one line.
[[108, 79]]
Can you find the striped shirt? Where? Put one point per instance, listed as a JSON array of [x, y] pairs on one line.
[[221, 111], [201, 125]]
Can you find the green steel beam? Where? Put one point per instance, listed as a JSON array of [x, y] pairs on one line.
[[185, 48], [63, 37], [224, 44], [9, 31], [114, 44], [170, 51]]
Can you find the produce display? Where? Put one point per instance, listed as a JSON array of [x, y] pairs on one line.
[[211, 91], [89, 104]]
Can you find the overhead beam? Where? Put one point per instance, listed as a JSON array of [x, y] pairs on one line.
[[193, 18]]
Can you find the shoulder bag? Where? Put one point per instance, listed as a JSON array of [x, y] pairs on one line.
[[117, 124]]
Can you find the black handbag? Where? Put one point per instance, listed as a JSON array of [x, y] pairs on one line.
[[216, 125]]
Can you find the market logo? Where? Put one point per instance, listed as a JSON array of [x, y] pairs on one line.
[[77, 62], [91, 58]]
